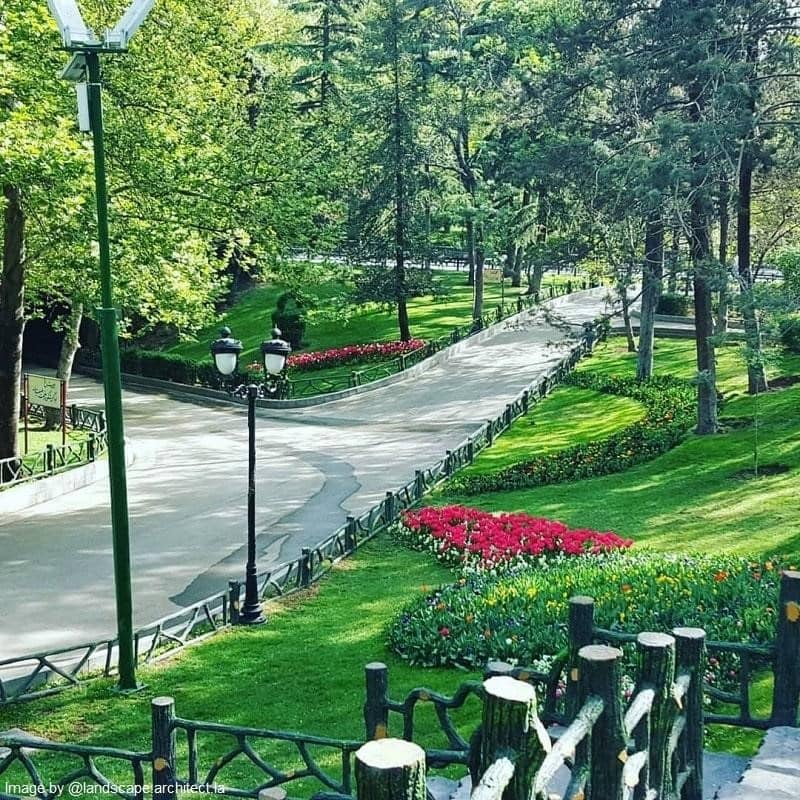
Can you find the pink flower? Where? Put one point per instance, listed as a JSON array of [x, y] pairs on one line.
[[484, 540]]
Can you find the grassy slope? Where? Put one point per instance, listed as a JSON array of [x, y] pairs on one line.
[[250, 318], [304, 670], [688, 499], [569, 416]]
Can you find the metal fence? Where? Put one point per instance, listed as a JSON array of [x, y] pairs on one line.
[[58, 458], [27, 677]]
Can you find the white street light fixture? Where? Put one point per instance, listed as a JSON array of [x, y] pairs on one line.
[[129, 23], [74, 31]]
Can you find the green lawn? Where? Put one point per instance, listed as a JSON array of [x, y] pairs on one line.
[[250, 317], [569, 416], [688, 499], [304, 670], [39, 438]]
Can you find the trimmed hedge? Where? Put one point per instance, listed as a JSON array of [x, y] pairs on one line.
[[670, 405], [164, 366]]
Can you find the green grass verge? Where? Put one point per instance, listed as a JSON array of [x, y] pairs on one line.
[[304, 670], [250, 317], [687, 499], [569, 416]]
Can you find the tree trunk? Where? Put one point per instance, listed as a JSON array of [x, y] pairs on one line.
[[724, 225], [700, 249], [66, 358], [401, 290], [674, 253], [622, 290], [469, 227], [477, 305], [652, 275], [756, 376], [519, 250], [12, 320]]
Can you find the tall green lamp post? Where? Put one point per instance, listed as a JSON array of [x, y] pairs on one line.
[[84, 70]]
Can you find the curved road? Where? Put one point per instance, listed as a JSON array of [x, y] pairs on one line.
[[187, 485]]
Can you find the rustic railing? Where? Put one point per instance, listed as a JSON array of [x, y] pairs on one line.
[[651, 749], [57, 458], [22, 677]]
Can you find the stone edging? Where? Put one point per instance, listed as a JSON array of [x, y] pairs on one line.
[[49, 487], [181, 390]]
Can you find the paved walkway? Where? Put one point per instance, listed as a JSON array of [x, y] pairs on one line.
[[187, 486]]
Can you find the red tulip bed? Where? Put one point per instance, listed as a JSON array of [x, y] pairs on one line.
[[478, 541], [352, 354]]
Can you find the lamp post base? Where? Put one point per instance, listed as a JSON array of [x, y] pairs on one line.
[[251, 617]]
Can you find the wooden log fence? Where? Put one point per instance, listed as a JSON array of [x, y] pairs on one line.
[[650, 748]]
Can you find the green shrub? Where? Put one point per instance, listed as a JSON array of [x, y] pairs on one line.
[[674, 305], [289, 316], [670, 413], [162, 366], [522, 617], [790, 332]]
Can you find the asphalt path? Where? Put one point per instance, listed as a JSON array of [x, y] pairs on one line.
[[187, 484]]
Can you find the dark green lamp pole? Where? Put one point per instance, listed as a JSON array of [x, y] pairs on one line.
[[112, 385], [226, 351], [84, 69]]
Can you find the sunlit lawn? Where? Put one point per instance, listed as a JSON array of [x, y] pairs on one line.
[[250, 318], [304, 670]]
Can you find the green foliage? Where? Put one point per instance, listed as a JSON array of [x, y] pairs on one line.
[[674, 305], [669, 404], [289, 316], [521, 617], [790, 332]]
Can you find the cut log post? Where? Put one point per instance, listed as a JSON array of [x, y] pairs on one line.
[[390, 769], [581, 622], [786, 691], [600, 673], [489, 432], [656, 672], [690, 657], [376, 714], [511, 728], [162, 712]]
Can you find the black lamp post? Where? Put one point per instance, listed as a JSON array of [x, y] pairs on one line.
[[226, 351]]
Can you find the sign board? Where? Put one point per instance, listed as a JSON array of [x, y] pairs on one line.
[[45, 391]]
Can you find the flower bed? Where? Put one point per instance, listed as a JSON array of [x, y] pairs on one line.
[[670, 405], [476, 540], [351, 354], [522, 617]]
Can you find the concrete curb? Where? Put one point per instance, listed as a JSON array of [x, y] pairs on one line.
[[184, 391], [40, 490]]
